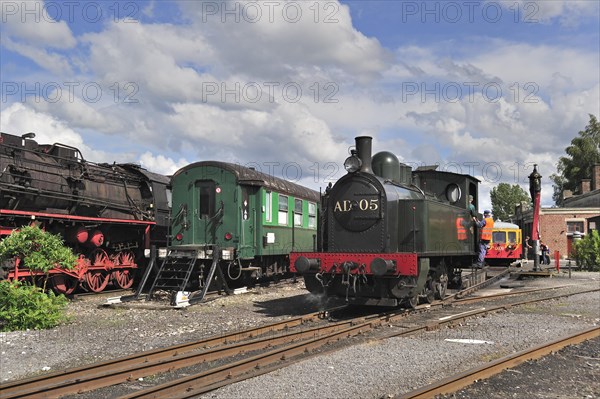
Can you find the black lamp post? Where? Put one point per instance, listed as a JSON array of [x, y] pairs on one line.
[[535, 188]]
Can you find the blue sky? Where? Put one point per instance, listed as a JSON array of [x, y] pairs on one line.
[[489, 87]]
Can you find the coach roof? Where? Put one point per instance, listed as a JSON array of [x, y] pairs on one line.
[[252, 177]]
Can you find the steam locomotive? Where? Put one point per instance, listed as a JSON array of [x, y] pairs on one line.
[[109, 215], [390, 235]]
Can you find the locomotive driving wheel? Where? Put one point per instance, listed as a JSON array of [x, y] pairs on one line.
[[97, 280], [430, 292], [64, 284], [412, 302], [124, 278], [441, 286]]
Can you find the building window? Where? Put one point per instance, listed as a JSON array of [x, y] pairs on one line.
[[268, 206], [312, 215], [298, 212], [572, 227], [282, 216]]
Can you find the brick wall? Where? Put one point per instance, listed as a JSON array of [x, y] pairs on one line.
[[553, 229], [585, 186], [596, 177]]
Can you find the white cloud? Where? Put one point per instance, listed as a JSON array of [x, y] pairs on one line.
[[19, 119], [161, 164], [285, 37], [569, 13], [33, 22]]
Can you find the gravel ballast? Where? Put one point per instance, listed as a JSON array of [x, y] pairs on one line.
[[374, 369]]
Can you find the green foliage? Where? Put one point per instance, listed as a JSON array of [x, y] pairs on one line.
[[28, 307], [587, 251], [504, 199], [582, 154], [38, 250]]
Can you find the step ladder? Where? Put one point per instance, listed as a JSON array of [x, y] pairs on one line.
[[174, 272]]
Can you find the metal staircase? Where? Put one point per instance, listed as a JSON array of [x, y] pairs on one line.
[[174, 272]]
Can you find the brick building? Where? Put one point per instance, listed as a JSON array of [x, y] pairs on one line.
[[578, 213]]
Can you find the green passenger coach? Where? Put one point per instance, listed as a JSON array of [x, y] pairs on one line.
[[253, 219]]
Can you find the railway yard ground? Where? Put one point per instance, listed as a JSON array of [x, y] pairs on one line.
[[378, 364]]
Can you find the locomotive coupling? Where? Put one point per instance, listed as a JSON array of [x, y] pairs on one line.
[[303, 264]]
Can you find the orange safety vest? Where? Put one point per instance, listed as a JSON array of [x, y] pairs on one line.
[[461, 231], [486, 232]]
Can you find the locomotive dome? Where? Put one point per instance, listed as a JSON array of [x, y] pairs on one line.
[[386, 165]]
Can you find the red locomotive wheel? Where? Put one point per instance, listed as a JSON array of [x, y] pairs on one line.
[[64, 284], [122, 278], [97, 281]]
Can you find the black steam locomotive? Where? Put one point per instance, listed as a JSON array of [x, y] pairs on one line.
[[109, 214], [390, 235]]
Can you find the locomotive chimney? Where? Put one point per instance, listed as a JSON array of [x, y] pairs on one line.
[[363, 151]]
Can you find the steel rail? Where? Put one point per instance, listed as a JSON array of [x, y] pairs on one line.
[[30, 386], [507, 294], [461, 380], [479, 286], [197, 384], [125, 369]]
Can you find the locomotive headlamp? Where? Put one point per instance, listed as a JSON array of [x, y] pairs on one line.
[[352, 164]]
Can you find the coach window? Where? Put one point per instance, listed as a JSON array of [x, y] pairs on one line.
[[312, 215], [282, 217], [206, 196], [268, 206], [298, 212]]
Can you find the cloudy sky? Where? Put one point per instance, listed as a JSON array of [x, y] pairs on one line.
[[486, 88]]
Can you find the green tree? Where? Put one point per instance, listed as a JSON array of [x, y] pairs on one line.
[[504, 199], [39, 251], [582, 154]]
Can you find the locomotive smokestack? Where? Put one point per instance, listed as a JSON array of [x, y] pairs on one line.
[[363, 151]]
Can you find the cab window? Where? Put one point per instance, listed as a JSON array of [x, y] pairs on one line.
[[499, 237]]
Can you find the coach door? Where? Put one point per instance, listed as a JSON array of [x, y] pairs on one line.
[[205, 217], [247, 209]]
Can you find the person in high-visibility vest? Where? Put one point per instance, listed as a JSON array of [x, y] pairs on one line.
[[486, 226]]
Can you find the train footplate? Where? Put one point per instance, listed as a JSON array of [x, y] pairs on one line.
[[174, 272], [183, 299]]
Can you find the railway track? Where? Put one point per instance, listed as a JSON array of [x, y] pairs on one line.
[[282, 345], [461, 380]]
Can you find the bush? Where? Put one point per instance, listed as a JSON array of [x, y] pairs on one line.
[[28, 307], [39, 250], [587, 252]]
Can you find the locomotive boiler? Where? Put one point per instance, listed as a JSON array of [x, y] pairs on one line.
[[390, 235], [108, 213]]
